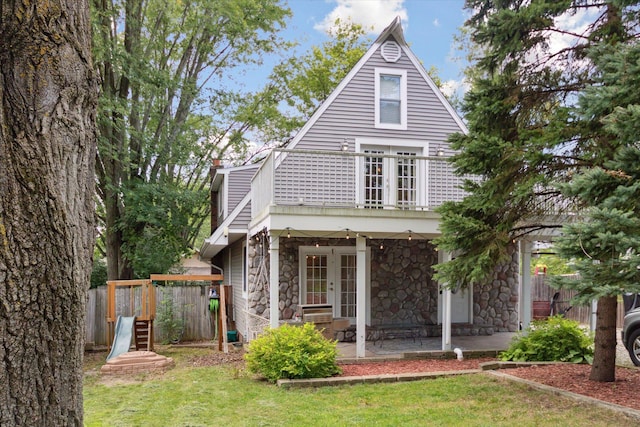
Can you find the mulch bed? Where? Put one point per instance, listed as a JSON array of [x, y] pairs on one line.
[[575, 378], [565, 376]]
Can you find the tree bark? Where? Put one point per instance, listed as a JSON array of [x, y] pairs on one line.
[[48, 97], [604, 359]]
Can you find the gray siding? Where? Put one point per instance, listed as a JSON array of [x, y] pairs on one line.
[[352, 113], [242, 220], [239, 302], [239, 185]]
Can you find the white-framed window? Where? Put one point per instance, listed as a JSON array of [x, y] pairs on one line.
[[220, 201], [391, 98], [406, 180]]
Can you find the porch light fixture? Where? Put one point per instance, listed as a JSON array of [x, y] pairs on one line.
[[347, 234], [381, 246], [317, 245], [288, 233], [409, 235], [345, 145], [440, 152]]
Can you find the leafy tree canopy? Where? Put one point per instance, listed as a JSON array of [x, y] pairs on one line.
[[165, 111]]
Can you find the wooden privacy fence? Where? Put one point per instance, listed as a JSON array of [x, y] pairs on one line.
[[541, 291], [190, 303]]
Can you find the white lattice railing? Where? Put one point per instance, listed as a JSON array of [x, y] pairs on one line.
[[339, 179]]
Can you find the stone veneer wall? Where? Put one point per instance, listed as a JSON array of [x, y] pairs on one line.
[[257, 291], [495, 304], [403, 290], [289, 285]]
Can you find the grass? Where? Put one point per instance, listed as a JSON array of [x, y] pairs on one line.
[[225, 396]]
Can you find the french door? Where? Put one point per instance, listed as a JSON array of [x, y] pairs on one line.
[[390, 178], [328, 276]]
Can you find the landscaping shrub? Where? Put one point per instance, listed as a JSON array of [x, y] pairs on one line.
[[292, 352], [555, 339]]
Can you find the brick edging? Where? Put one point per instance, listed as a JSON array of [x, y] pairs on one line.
[[632, 413], [369, 379]]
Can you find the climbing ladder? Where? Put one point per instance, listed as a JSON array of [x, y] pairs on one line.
[[143, 331]]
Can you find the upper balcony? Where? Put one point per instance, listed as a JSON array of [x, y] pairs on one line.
[[338, 179]]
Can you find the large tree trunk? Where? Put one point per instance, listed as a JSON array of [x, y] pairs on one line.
[[604, 360], [48, 95]]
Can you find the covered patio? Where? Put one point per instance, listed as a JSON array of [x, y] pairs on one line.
[[407, 347]]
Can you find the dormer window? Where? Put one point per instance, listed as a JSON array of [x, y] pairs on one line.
[[391, 99]]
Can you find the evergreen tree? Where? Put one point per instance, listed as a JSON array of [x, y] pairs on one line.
[[605, 244], [525, 134]]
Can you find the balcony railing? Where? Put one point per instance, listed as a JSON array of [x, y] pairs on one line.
[[354, 180]]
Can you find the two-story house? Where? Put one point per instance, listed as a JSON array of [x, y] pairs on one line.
[[344, 216]]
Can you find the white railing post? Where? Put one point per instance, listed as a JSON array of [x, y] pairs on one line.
[[274, 282], [446, 305], [524, 252], [361, 299]]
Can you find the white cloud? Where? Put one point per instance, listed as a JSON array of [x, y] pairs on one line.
[[572, 23], [454, 88], [570, 29], [373, 15], [436, 22]]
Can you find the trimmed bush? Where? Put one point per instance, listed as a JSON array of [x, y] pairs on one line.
[[553, 340], [292, 352]]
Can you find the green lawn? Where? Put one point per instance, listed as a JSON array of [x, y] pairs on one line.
[[223, 396]]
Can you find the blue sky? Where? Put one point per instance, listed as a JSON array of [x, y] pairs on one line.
[[429, 27]]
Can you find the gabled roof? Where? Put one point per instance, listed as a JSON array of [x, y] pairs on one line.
[[394, 29], [224, 235], [220, 172]]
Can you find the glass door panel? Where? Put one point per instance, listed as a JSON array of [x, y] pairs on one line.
[[406, 181], [316, 279], [347, 290], [373, 180]]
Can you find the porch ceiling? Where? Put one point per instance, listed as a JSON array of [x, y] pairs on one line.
[[333, 222]]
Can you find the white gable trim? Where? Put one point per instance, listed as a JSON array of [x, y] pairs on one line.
[[320, 111], [395, 29], [220, 172], [452, 112], [219, 239]]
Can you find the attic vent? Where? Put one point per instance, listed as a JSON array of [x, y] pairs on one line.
[[390, 51]]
